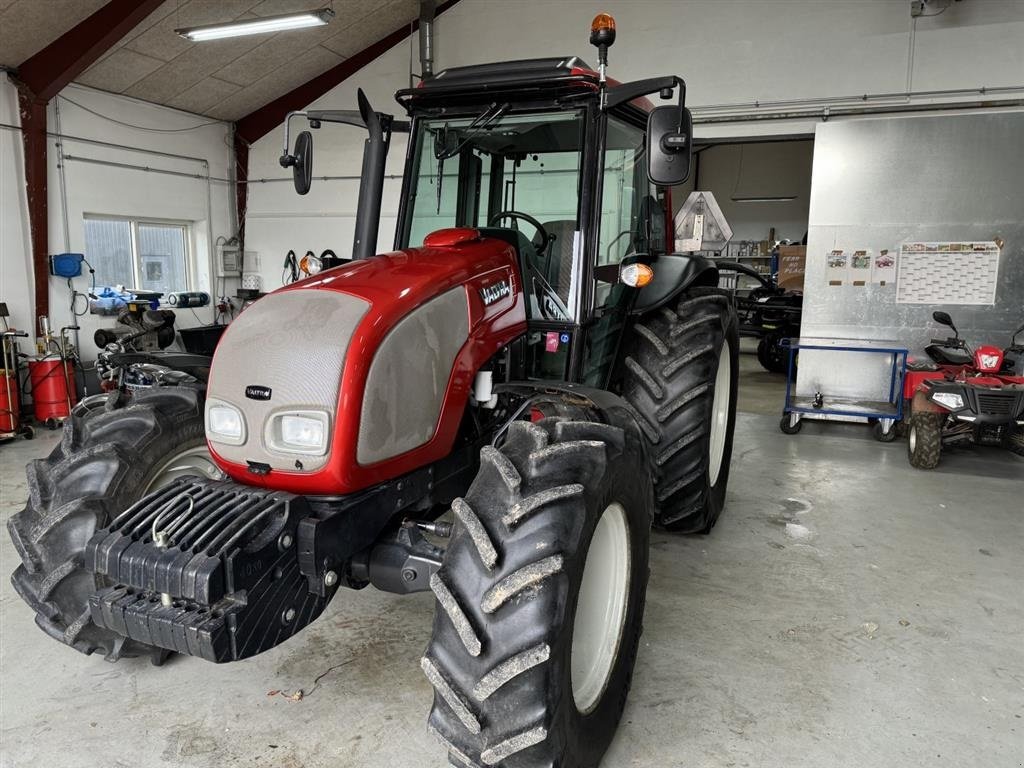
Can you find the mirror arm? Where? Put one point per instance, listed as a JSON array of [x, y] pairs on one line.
[[287, 159], [343, 116], [621, 94]]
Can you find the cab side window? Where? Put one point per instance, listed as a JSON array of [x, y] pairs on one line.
[[625, 207]]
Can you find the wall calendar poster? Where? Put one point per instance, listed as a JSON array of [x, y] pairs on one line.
[[948, 273]]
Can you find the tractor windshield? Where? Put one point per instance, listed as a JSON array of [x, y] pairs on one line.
[[481, 171]]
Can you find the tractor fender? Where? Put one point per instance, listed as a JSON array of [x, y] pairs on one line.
[[921, 404], [673, 274], [600, 404]]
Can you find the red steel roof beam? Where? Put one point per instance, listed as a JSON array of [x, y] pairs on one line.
[[54, 67]]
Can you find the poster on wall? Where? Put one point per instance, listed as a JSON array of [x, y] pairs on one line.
[[948, 273], [860, 268], [835, 273], [883, 268]]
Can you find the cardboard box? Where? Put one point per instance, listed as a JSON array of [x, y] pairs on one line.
[[792, 263]]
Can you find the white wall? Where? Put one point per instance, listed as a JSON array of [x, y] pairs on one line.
[[279, 220], [15, 248], [102, 189], [728, 52], [733, 51]]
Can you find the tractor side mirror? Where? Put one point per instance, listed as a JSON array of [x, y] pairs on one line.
[[943, 318], [302, 162], [669, 145]]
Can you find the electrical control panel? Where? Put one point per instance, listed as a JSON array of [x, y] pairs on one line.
[[230, 263]]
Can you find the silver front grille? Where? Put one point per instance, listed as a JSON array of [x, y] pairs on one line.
[[409, 376], [294, 343]]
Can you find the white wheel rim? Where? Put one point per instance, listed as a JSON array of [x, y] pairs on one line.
[[720, 413], [912, 439], [192, 462], [601, 609]]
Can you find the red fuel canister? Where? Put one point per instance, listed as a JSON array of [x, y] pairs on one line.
[[50, 389], [10, 401]]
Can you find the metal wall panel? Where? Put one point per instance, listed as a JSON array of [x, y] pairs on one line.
[[881, 182]]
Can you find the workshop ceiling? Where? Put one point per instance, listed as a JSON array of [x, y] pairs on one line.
[[225, 79]]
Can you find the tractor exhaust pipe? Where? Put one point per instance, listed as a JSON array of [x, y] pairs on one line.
[[379, 127], [371, 184], [428, 9]]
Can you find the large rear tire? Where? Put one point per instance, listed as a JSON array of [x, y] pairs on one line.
[[540, 598], [681, 374], [104, 463]]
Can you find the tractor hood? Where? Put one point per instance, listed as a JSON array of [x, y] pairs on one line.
[[361, 373]]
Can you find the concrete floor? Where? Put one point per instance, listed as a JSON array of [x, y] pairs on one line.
[[846, 611]]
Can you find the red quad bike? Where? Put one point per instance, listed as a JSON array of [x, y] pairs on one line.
[[964, 397], [555, 393]]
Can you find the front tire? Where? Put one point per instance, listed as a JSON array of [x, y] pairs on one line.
[[104, 463], [540, 598], [681, 374], [924, 440]]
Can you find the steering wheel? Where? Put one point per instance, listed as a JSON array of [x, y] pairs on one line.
[[545, 238]]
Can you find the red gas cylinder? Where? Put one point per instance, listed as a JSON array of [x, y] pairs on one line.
[[50, 388], [10, 401]]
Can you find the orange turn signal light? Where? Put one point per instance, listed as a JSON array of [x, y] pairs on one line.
[[636, 275], [602, 22]]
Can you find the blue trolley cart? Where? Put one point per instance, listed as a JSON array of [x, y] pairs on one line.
[[884, 414]]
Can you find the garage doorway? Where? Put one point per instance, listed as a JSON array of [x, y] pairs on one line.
[[763, 188]]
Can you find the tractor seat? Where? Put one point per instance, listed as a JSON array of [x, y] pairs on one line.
[[558, 269]]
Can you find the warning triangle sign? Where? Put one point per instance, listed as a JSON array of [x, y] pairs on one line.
[[701, 225]]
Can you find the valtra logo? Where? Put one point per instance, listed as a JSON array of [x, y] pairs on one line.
[[257, 392], [496, 292]]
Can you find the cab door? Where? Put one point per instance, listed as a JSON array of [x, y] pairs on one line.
[[631, 222]]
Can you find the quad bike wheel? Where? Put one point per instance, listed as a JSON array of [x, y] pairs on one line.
[[104, 463], [1016, 442], [681, 373], [924, 440], [540, 598]]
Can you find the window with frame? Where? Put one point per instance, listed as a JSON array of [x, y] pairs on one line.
[[501, 172], [137, 253]]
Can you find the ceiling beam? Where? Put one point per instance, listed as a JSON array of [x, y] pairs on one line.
[[54, 67], [260, 122]]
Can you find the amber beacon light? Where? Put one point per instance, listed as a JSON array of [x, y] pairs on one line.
[[602, 35], [602, 29]]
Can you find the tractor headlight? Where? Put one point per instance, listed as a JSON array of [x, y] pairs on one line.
[[299, 432], [949, 400], [224, 423]]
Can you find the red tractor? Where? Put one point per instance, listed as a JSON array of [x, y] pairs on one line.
[[960, 396], [556, 393]]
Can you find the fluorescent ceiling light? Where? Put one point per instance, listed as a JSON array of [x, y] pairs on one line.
[[259, 26], [777, 199]]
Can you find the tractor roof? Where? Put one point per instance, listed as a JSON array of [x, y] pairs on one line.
[[528, 79]]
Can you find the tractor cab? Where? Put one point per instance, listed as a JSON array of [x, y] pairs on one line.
[[525, 153]]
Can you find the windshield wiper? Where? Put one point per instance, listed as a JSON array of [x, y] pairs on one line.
[[484, 119]]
